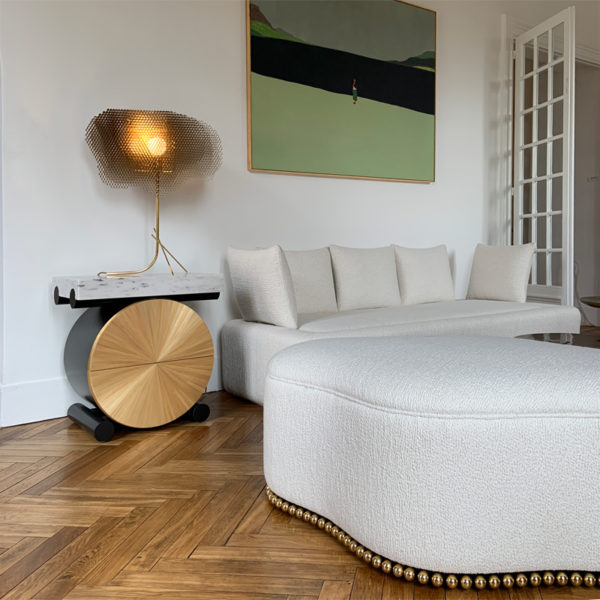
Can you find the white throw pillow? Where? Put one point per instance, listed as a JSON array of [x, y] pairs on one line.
[[364, 277], [424, 274], [500, 272], [262, 285], [312, 278]]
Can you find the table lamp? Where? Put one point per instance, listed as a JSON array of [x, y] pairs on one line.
[[145, 147]]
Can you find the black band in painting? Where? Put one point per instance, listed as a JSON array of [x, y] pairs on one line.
[[334, 71]]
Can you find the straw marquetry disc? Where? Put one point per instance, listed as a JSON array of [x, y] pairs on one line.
[[150, 363]]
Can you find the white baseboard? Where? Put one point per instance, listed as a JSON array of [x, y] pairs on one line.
[[31, 401]]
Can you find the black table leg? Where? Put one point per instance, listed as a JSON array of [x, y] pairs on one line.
[[94, 420], [198, 413]]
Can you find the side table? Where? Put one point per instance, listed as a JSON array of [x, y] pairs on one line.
[[139, 355], [586, 339], [593, 301]]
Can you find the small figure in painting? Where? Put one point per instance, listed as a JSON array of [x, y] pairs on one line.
[[354, 91]]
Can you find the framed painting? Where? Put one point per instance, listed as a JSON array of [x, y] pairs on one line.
[[342, 88]]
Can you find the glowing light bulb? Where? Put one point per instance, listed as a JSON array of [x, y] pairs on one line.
[[157, 146]]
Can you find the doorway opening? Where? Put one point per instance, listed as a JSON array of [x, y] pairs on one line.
[[587, 188]]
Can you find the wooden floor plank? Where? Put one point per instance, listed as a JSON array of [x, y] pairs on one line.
[[239, 435], [21, 471], [7, 541], [18, 551], [311, 540], [204, 521], [336, 590], [58, 515], [43, 428], [570, 593], [177, 512], [97, 551], [368, 584], [460, 594], [39, 474], [268, 554], [274, 568], [120, 593], [526, 593], [244, 583], [426, 592], [256, 517], [164, 539], [187, 437], [21, 530], [38, 579], [135, 457], [222, 528], [488, 594], [32, 561], [128, 549], [396, 589], [70, 471]]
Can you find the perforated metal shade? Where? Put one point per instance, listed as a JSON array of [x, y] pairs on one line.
[[131, 146]]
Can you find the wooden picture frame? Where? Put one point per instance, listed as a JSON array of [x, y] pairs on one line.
[[342, 89]]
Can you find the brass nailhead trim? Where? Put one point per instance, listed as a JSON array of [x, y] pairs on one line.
[[437, 580]]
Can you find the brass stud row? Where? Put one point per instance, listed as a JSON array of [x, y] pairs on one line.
[[437, 580]]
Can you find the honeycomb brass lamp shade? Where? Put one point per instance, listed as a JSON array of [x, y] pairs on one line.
[[159, 147], [150, 363], [131, 146]]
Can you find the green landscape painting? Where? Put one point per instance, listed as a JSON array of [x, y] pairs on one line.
[[342, 88]]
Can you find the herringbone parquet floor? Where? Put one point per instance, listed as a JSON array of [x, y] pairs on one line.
[[173, 513]]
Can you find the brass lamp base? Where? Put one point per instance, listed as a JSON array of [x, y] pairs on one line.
[[158, 245]]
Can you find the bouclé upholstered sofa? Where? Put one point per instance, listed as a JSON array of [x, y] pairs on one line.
[[294, 296]]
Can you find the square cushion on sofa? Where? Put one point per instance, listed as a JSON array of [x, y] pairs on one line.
[[312, 278], [424, 274], [262, 285], [500, 272], [364, 277]]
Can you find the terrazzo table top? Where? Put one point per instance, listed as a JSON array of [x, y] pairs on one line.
[[79, 289]]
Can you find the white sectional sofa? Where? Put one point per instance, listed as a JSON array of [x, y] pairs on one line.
[[290, 297]]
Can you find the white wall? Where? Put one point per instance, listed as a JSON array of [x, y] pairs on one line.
[[64, 62]]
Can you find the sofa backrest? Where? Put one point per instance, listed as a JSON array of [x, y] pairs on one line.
[[262, 286], [273, 286], [312, 279], [365, 277]]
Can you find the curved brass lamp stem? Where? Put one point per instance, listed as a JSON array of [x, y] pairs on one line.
[[158, 245]]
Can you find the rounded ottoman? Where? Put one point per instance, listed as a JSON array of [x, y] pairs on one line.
[[465, 461]]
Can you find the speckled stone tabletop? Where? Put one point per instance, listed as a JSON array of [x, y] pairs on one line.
[[152, 284]]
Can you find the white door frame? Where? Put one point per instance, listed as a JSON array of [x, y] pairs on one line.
[[510, 30]]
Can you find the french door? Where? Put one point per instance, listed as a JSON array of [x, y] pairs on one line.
[[543, 153]]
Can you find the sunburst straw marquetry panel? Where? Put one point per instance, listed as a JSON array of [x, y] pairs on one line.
[[437, 580], [150, 331], [150, 363]]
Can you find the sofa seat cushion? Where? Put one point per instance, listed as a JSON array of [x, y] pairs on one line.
[[248, 347], [436, 317]]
